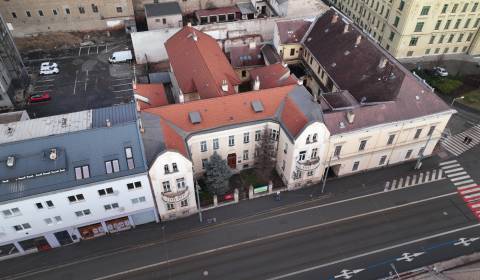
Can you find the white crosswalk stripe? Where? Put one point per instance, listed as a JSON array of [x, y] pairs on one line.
[[455, 144], [414, 180], [464, 182]]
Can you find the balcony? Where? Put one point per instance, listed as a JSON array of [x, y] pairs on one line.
[[308, 165], [172, 197]]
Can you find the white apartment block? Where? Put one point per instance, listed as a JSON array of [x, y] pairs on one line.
[[70, 177]]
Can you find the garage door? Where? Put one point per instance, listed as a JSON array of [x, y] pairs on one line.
[[143, 217]]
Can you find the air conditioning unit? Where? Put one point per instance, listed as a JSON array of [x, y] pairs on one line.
[[53, 154], [10, 161]]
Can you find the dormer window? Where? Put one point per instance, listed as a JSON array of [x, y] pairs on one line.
[[308, 139], [166, 169], [314, 138]]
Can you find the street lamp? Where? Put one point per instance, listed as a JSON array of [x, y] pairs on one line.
[[453, 101], [421, 156]]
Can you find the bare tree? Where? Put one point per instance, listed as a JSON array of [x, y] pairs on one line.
[[265, 150]]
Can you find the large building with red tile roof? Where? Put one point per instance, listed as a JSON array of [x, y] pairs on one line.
[[149, 96], [270, 76], [287, 37], [199, 67]]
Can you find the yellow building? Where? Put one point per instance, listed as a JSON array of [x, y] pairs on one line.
[[413, 28]]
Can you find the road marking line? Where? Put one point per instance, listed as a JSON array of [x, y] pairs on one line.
[[472, 190], [407, 181], [466, 186], [427, 177], [447, 162], [117, 79], [457, 174], [471, 195], [299, 230], [75, 85], [452, 170], [129, 89], [451, 166], [463, 182], [394, 184], [460, 178], [400, 183], [440, 173]]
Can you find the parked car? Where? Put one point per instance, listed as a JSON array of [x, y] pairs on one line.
[[39, 97], [49, 71], [48, 65], [440, 71], [122, 56]]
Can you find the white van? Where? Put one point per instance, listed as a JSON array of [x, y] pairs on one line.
[[123, 56]]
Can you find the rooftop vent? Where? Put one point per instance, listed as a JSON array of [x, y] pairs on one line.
[[256, 83], [10, 161], [417, 97], [10, 131], [108, 123], [382, 63], [341, 125], [359, 39], [257, 106], [345, 28], [53, 154], [224, 85], [334, 64], [346, 52], [195, 117], [350, 117], [334, 18]]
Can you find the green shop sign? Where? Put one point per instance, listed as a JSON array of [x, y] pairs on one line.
[[260, 189]]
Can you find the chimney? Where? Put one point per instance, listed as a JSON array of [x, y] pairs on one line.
[[345, 28], [252, 45], [256, 83], [382, 63], [224, 85], [315, 96], [109, 124], [189, 24], [194, 36], [359, 39], [334, 18], [350, 117]]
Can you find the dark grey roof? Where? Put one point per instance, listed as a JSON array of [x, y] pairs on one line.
[[162, 9], [123, 113], [195, 117], [270, 54], [153, 138], [35, 173]]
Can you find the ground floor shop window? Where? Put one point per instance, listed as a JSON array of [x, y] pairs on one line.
[[91, 231], [118, 224]]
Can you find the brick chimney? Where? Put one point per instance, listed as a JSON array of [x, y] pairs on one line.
[[382, 63], [345, 28], [256, 83], [359, 39], [224, 85], [350, 117]]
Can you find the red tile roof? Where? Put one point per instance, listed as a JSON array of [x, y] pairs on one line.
[[292, 31], [293, 118], [217, 11], [199, 65], [273, 75], [225, 111], [155, 94], [173, 141], [246, 56]]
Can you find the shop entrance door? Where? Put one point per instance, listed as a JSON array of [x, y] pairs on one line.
[[63, 237]]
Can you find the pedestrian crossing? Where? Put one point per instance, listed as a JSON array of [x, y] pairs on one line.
[[414, 180], [457, 145], [466, 187]]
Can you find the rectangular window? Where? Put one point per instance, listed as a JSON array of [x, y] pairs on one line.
[[432, 39], [184, 203], [401, 5], [28, 13], [215, 144], [413, 41], [408, 154], [338, 150], [54, 12], [40, 13], [396, 21], [392, 35], [431, 130], [419, 26], [355, 166], [170, 206], [382, 160], [283, 165], [420, 152], [83, 213], [58, 219], [292, 52], [166, 169], [454, 9], [447, 24], [310, 173], [476, 23], [81, 10], [203, 146], [119, 9], [245, 154], [204, 163], [14, 15], [314, 153], [49, 203], [82, 172], [246, 137], [231, 140], [164, 21], [112, 166], [437, 25], [467, 23], [464, 9], [67, 11], [363, 143], [301, 155], [129, 157], [457, 24], [257, 135], [444, 9], [469, 37], [474, 8], [180, 183], [425, 10], [390, 139], [441, 39], [174, 167], [134, 185], [39, 205], [76, 198], [94, 8], [166, 186], [417, 133], [274, 134], [106, 191], [450, 39], [445, 50], [22, 227]]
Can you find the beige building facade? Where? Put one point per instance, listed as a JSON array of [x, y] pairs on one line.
[[26, 17], [414, 28]]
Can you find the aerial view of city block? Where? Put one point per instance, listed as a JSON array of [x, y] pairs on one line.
[[239, 140]]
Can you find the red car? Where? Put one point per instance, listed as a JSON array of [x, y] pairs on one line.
[[39, 97]]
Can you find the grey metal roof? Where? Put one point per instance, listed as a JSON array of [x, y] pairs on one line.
[[153, 138], [162, 9], [117, 114], [195, 117], [246, 8], [35, 173]]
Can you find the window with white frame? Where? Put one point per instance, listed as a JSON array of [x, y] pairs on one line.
[[105, 191], [257, 135], [138, 200], [180, 183], [58, 219], [112, 166], [408, 154], [174, 167], [39, 205], [11, 212], [274, 134], [166, 186], [310, 173], [166, 169], [170, 206], [204, 163], [355, 166], [363, 143], [203, 146], [82, 172], [216, 146], [48, 221], [338, 150], [184, 203], [231, 140], [49, 203], [314, 153], [301, 155], [382, 160], [297, 175], [390, 139], [22, 227], [82, 213], [245, 154], [134, 185], [417, 133], [314, 137], [110, 206], [76, 198], [246, 137], [129, 157], [285, 148]]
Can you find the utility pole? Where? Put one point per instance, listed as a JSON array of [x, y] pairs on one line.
[[198, 202], [325, 175]]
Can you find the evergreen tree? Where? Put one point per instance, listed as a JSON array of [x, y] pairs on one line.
[[217, 174], [265, 154]]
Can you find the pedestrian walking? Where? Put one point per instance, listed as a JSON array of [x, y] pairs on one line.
[[277, 196], [469, 140], [465, 139]]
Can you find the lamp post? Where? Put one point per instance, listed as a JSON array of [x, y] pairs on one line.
[[198, 202], [421, 157], [455, 99]]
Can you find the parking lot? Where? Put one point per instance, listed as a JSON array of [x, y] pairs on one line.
[[86, 80]]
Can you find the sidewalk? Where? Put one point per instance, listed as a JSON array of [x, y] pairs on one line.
[[336, 189]]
